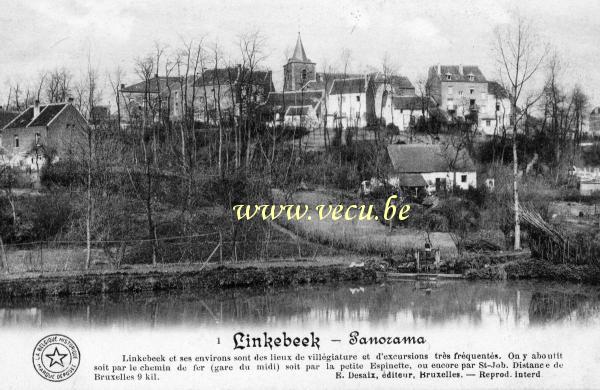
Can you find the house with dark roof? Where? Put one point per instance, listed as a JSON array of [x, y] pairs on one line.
[[141, 101], [293, 108], [59, 127], [222, 94], [382, 87], [440, 166], [404, 111], [463, 92], [458, 89], [347, 102]]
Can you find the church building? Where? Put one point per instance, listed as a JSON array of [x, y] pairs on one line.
[[299, 70]]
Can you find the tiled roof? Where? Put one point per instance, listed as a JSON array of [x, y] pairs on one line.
[[153, 85], [423, 158], [232, 74], [348, 86], [46, 115], [409, 102], [496, 89], [411, 180], [294, 98], [22, 120], [455, 75], [396, 81], [6, 117]]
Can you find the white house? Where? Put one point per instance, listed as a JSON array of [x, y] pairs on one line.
[[588, 179], [403, 111], [348, 103], [441, 167], [494, 115]]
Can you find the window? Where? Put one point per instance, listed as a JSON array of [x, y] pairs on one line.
[[472, 90], [460, 93], [497, 106], [463, 178], [16, 141], [37, 138], [358, 98], [450, 90], [488, 123]]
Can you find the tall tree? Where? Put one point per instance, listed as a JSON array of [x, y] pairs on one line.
[[520, 56]]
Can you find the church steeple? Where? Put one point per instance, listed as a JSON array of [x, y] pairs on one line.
[[299, 53], [299, 70]]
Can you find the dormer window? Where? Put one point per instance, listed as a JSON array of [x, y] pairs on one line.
[[471, 77], [448, 76]]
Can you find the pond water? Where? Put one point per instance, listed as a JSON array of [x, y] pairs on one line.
[[459, 304]]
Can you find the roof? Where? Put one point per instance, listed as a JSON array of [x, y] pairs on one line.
[[153, 85], [424, 158], [339, 87], [234, 74], [411, 180], [297, 110], [409, 102], [299, 53], [456, 75], [47, 114], [396, 81], [6, 117], [294, 98], [496, 89]]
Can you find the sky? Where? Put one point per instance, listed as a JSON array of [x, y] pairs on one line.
[[40, 35]]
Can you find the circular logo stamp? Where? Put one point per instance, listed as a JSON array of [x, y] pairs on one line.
[[56, 357]]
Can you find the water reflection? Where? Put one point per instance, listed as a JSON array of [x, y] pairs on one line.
[[402, 303]]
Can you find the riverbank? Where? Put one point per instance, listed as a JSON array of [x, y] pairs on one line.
[[539, 270], [182, 278]]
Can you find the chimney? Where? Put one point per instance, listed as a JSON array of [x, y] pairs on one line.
[[460, 69], [36, 108], [439, 69]]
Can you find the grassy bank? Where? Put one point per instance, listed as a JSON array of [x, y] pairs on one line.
[[139, 279], [537, 269]]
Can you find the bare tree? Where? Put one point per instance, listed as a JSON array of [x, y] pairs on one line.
[[520, 57], [58, 85]]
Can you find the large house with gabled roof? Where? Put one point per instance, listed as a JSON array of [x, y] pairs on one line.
[[434, 167], [58, 127]]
